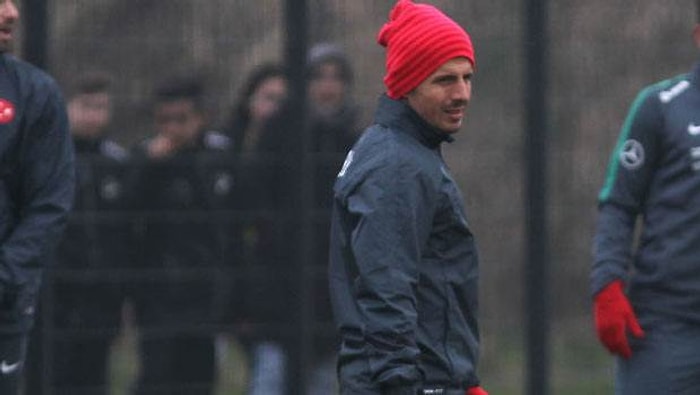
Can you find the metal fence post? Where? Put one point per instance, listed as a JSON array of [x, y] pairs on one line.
[[536, 268], [296, 45], [35, 19], [35, 36]]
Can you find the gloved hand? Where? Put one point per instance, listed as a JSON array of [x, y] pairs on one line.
[[613, 317], [476, 391]]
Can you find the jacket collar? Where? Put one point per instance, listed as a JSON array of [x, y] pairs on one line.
[[397, 115]]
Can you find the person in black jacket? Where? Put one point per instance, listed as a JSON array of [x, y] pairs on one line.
[[85, 296], [180, 181], [403, 261], [646, 292], [37, 184], [259, 284], [331, 125]]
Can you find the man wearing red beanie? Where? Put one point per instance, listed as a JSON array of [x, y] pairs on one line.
[[403, 261], [647, 302]]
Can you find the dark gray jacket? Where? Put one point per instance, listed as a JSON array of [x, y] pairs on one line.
[[403, 263], [37, 184], [655, 174]]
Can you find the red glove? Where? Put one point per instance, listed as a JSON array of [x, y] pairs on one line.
[[476, 391], [613, 317]]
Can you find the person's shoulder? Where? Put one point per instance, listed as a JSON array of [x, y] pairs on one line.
[[384, 155], [391, 150], [667, 90], [377, 140], [30, 75], [369, 152]]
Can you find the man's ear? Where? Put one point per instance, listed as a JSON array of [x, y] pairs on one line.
[[696, 35]]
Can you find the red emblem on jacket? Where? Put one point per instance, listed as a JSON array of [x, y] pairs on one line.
[[7, 111]]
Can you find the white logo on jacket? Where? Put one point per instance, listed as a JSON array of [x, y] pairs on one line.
[[632, 154], [223, 183], [346, 164], [111, 189], [671, 93], [693, 129], [7, 368], [695, 158]]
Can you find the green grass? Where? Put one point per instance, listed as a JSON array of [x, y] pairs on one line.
[[579, 365], [124, 364]]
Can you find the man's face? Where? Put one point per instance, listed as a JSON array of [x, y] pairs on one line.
[[327, 88], [89, 113], [179, 121], [8, 19], [441, 100]]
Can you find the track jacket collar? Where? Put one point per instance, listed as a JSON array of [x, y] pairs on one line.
[[397, 115]]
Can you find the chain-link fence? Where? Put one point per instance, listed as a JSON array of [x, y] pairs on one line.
[[259, 270]]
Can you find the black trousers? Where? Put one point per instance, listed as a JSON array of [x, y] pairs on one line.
[[176, 343], [176, 365], [71, 343]]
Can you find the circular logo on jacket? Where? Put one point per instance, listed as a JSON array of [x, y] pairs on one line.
[[111, 189], [632, 154], [223, 182], [7, 111]]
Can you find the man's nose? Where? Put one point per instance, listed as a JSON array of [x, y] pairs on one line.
[[9, 11], [462, 91]]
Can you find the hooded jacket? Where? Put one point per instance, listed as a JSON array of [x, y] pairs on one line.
[[403, 263]]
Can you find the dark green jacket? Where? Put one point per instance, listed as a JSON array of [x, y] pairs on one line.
[[654, 175]]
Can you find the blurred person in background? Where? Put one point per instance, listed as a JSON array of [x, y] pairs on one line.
[[259, 288], [37, 182], [261, 97], [403, 261], [180, 184], [646, 292], [84, 298], [331, 124], [333, 115]]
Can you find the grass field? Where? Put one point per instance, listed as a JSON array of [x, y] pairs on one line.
[[124, 365], [579, 366]]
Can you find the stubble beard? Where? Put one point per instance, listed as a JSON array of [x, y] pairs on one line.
[[6, 47]]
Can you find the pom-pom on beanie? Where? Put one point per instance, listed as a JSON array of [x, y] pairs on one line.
[[419, 39]]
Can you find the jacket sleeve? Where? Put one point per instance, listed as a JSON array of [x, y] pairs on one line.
[[624, 194], [393, 207], [44, 184]]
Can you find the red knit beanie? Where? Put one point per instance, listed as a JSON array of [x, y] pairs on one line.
[[419, 39]]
